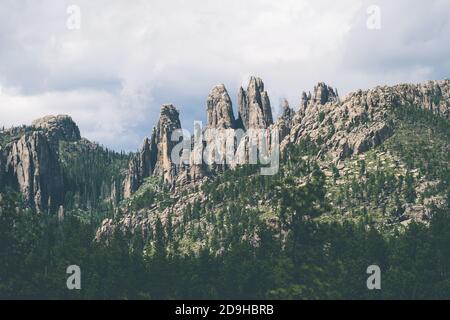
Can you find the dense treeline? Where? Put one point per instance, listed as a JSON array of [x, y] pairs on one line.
[[248, 236], [422, 141], [90, 175], [326, 261]]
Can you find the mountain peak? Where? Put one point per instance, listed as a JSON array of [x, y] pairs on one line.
[[254, 105], [219, 108], [59, 127], [323, 94]]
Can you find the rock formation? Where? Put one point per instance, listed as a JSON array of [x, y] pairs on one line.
[[169, 122], [219, 109], [220, 123], [359, 122], [254, 106], [32, 168], [341, 128], [283, 124], [154, 157], [140, 167], [243, 109], [57, 128], [324, 94], [29, 161]]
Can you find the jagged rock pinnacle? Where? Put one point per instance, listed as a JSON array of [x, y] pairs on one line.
[[169, 121], [254, 106], [324, 94], [219, 109]]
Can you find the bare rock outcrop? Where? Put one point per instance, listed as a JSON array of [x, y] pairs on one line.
[[360, 121], [254, 106], [56, 128], [29, 161], [169, 122], [341, 127], [32, 168], [154, 158], [140, 167], [284, 122], [219, 109]]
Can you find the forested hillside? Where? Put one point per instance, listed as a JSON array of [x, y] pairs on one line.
[[92, 177], [362, 181]]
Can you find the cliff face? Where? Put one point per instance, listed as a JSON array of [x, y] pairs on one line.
[[254, 106], [29, 161], [344, 127], [154, 158], [360, 121], [140, 167], [219, 109], [169, 121]]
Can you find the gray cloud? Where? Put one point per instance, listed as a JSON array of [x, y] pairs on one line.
[[130, 57]]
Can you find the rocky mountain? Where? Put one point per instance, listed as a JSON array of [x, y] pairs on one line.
[[154, 157], [219, 109], [30, 160], [360, 180], [37, 161], [361, 121], [341, 134], [254, 106], [58, 128], [254, 113], [32, 167]]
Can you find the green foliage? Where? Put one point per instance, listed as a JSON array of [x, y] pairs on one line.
[[89, 173], [246, 236], [317, 261], [13, 134], [321, 116], [152, 193]]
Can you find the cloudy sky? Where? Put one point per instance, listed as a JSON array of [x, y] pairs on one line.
[[113, 68]]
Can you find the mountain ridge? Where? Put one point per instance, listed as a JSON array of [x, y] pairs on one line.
[[361, 180], [340, 129], [344, 127]]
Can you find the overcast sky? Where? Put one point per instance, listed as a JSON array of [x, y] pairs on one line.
[[128, 57]]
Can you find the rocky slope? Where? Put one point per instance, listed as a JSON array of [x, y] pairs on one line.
[[30, 161], [343, 130], [154, 157], [360, 122], [38, 162]]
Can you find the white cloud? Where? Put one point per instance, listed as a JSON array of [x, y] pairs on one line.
[[129, 57], [99, 114]]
